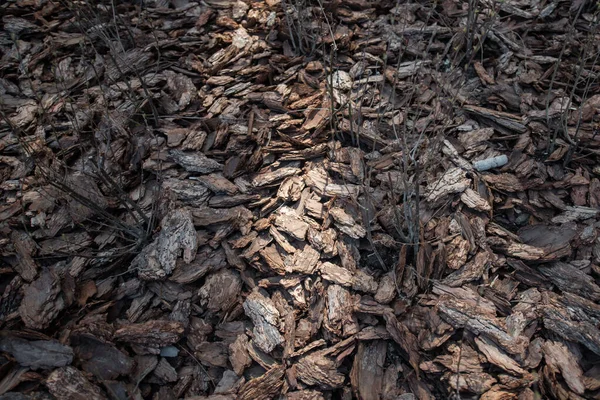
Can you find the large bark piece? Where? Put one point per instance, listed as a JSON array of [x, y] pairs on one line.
[[265, 318], [177, 236], [42, 301]]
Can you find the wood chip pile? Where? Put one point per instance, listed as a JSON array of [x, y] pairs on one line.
[[295, 199]]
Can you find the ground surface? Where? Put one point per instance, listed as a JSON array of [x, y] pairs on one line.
[[350, 199]]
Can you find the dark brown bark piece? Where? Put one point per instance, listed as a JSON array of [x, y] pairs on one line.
[[24, 248], [239, 216], [238, 354], [189, 192], [220, 290], [584, 332], [560, 357], [37, 354], [571, 279], [102, 360], [165, 371], [70, 384], [367, 372], [461, 315], [42, 301], [218, 184], [195, 162], [405, 338], [157, 333], [206, 260], [67, 244]]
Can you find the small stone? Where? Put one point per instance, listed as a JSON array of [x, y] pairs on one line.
[[169, 351]]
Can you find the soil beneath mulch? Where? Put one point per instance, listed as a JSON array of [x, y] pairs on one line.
[[343, 199]]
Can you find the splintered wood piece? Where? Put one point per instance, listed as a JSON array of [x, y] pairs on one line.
[[281, 240], [461, 315], [304, 261], [498, 357], [406, 339], [503, 119], [571, 279], [323, 241], [217, 183], [565, 357], [461, 359], [195, 162], [265, 318], [165, 371], [239, 216], [525, 251], [266, 178], [304, 395], [319, 181], [291, 188], [467, 295], [470, 271], [576, 214], [265, 387], [478, 382], [70, 384], [206, 260], [367, 371], [187, 191], [212, 353], [453, 181], [554, 240], [336, 274], [472, 138], [473, 200], [346, 223], [257, 245], [273, 258], [316, 369], [584, 332], [289, 222], [457, 252], [156, 333], [505, 182], [68, 243], [243, 241], [339, 318], [263, 359], [386, 289], [314, 208], [227, 201], [364, 282]]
